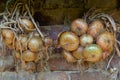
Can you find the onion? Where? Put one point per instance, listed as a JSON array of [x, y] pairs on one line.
[[27, 23], [79, 27], [106, 41], [95, 28], [68, 56], [92, 53], [86, 39], [78, 54], [8, 36], [35, 43], [28, 56], [16, 55], [21, 43], [48, 41], [10, 46], [68, 41]]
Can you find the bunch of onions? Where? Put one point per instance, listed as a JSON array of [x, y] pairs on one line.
[[89, 42], [26, 24]]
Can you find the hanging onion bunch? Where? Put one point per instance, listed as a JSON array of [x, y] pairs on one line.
[[90, 42], [20, 33]]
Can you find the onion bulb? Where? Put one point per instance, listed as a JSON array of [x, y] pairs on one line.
[[48, 41], [106, 41], [28, 56], [26, 23], [68, 41], [16, 55], [79, 27], [10, 46], [92, 53], [8, 36], [21, 43], [86, 39], [35, 43], [95, 28], [78, 54], [68, 56]]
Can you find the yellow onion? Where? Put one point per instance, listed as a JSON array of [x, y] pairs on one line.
[[35, 43], [86, 39], [18, 46], [10, 46], [8, 36], [68, 41], [27, 23], [106, 41], [68, 56], [48, 41], [78, 54], [28, 56], [33, 34], [16, 55], [79, 27], [92, 53], [95, 28], [21, 43]]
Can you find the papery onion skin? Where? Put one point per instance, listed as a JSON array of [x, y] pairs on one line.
[[86, 39], [16, 55], [106, 41], [68, 41], [35, 43], [48, 41], [28, 56], [27, 23], [78, 54], [79, 27], [68, 56], [92, 53], [8, 36], [95, 28]]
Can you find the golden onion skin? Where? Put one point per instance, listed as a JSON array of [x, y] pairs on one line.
[[28, 56], [68, 41], [8, 36], [79, 27], [35, 43], [21, 43], [27, 23], [95, 28], [92, 53], [106, 41], [78, 54], [86, 39], [48, 41], [68, 56], [16, 55]]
